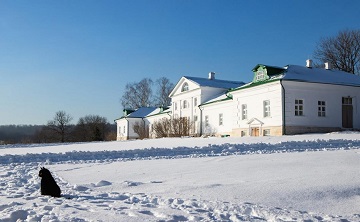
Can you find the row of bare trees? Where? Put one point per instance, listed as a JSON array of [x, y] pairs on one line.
[[174, 127], [88, 128], [142, 94]]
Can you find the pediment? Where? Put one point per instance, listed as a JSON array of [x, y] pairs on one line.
[[180, 87], [254, 121]]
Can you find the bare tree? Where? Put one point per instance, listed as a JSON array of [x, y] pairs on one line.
[[164, 88], [174, 127], [341, 51], [138, 94], [91, 128], [161, 128], [60, 125], [140, 129]]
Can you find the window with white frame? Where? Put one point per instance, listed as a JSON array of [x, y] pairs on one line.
[[299, 107], [266, 108], [243, 111], [185, 87], [124, 129], [266, 132], [221, 119], [195, 102], [175, 105], [195, 118], [321, 109], [185, 104], [206, 121]]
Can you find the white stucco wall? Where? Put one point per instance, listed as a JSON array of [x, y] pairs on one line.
[[213, 112], [195, 92], [311, 93], [254, 98], [189, 97], [152, 119], [128, 123]]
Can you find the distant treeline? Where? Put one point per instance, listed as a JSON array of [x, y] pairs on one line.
[[18, 133], [10, 134]]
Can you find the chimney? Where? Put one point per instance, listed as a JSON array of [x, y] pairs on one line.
[[211, 75], [327, 65], [309, 63]]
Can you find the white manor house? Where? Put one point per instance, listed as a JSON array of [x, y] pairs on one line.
[[278, 101]]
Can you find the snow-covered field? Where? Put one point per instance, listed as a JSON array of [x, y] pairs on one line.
[[314, 177]]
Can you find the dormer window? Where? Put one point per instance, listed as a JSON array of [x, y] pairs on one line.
[[185, 87], [260, 75], [263, 73]]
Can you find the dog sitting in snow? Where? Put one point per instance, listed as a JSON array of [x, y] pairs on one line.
[[48, 184]]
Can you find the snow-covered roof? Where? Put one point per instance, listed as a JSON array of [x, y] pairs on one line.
[[304, 74], [216, 83], [145, 112], [319, 75], [160, 110], [141, 112], [217, 98]]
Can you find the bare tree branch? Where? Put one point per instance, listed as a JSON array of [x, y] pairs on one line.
[[60, 125], [164, 88], [138, 94], [341, 51]]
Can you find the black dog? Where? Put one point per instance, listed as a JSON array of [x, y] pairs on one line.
[[48, 184]]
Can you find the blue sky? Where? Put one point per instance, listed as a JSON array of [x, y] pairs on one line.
[[77, 56]]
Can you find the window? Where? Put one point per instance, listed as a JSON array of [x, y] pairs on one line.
[[266, 132], [195, 101], [299, 107], [266, 108], [243, 111], [347, 101], [243, 133], [185, 104], [260, 75], [321, 108], [175, 104], [185, 87], [195, 118], [124, 129], [206, 121], [221, 119]]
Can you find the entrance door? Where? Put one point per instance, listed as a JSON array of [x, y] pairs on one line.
[[255, 131], [347, 112]]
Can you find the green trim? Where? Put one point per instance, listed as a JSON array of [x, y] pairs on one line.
[[118, 118], [216, 101], [263, 72], [285, 80], [125, 117], [334, 84], [159, 113], [254, 84]]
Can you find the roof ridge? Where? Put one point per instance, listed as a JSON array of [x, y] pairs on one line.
[[203, 78]]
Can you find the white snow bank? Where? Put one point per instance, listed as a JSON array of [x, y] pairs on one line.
[[164, 180]]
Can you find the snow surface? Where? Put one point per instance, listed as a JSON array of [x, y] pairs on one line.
[[312, 177], [319, 75]]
